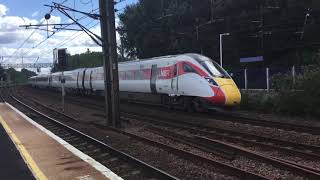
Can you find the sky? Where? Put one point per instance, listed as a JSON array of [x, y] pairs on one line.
[[14, 41]]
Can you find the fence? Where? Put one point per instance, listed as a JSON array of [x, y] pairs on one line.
[[260, 78]]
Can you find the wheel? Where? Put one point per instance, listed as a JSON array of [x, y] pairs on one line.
[[197, 106], [188, 104]]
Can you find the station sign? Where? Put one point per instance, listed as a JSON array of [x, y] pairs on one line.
[[252, 59]]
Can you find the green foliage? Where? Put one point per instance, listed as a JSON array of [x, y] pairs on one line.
[[87, 60], [155, 28], [260, 101], [2, 73], [304, 96], [19, 77], [301, 97]]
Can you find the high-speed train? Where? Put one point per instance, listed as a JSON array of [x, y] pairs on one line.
[[186, 80]]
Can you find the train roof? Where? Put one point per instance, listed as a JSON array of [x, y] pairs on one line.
[[192, 55]]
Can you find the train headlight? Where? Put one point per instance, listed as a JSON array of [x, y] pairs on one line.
[[211, 81]]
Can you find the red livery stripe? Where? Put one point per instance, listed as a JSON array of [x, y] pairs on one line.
[[163, 72], [219, 97]]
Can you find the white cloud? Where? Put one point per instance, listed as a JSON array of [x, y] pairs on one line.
[[3, 10], [12, 36], [12, 23], [35, 14]]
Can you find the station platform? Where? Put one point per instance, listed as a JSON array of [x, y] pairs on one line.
[[29, 151]]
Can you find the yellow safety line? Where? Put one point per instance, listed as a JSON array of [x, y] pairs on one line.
[[23, 151]]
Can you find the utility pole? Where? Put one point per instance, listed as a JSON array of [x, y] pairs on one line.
[[109, 48]]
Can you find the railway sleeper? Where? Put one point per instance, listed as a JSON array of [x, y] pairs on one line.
[[298, 169], [217, 150]]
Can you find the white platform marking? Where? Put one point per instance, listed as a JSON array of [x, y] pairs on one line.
[[98, 166]]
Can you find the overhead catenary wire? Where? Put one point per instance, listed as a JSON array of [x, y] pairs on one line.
[[71, 38], [81, 18], [26, 40], [23, 43]]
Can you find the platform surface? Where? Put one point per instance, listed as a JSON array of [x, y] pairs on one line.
[[12, 165], [46, 157]]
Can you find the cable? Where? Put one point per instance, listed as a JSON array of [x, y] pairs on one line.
[[23, 43], [81, 18], [71, 38]]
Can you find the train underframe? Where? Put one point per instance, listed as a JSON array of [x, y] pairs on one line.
[[186, 103]]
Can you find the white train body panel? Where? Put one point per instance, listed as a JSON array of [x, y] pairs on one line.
[[180, 75]]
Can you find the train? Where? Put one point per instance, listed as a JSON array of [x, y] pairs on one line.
[[188, 81]]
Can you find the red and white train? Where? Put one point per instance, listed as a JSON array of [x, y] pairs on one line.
[[186, 80]]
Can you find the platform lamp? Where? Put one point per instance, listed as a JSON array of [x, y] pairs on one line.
[[221, 47]]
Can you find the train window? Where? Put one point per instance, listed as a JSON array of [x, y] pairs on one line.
[[188, 69], [214, 69], [137, 75]]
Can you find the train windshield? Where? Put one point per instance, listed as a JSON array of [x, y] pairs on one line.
[[211, 66]]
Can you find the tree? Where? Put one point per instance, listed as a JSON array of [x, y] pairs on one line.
[[3, 75], [155, 28]]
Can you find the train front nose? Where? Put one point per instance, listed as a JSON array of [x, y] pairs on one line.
[[231, 91], [232, 95]]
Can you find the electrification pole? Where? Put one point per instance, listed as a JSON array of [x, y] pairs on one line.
[[109, 48]]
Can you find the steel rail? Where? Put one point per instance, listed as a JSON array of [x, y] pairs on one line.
[[152, 171], [204, 142], [187, 155], [299, 148], [231, 117], [195, 127]]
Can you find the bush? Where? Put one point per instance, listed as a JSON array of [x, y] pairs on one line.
[[301, 97], [260, 101]]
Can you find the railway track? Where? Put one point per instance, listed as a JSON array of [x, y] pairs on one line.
[[230, 150], [230, 170], [267, 142], [300, 169], [233, 117], [121, 163], [220, 116], [305, 150]]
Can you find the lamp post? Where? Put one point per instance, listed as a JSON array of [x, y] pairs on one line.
[[221, 46]]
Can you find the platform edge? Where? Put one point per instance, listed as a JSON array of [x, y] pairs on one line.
[[92, 162], [36, 171]]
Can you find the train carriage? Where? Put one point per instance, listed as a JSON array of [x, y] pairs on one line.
[[187, 80]]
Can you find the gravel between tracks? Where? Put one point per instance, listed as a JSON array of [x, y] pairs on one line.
[[168, 162], [96, 116], [239, 162], [292, 136]]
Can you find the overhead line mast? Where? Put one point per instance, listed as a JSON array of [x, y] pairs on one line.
[[109, 48]]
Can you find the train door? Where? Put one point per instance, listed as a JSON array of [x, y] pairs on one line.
[[78, 80], [175, 78], [83, 79], [153, 79], [50, 80], [90, 83]]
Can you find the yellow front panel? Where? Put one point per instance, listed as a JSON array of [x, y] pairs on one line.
[[231, 91]]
